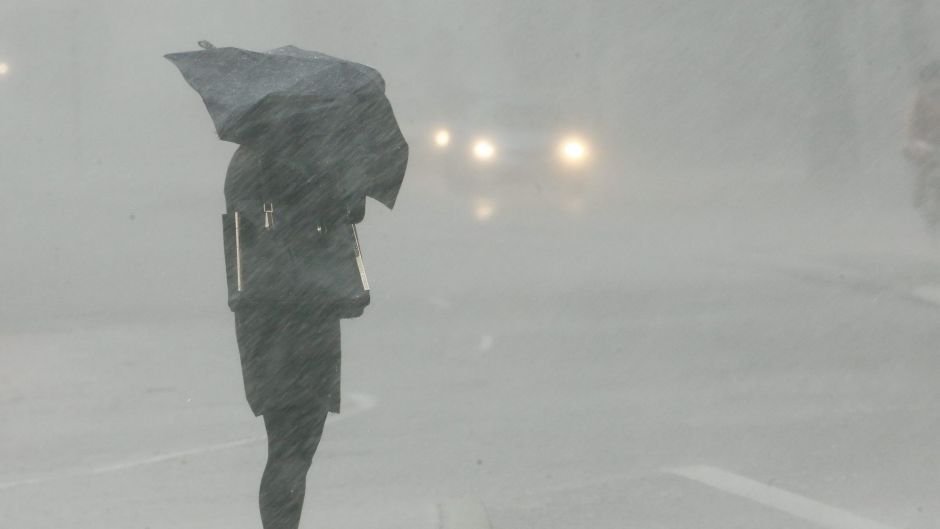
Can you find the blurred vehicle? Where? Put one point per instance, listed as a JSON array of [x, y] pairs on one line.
[[512, 155]]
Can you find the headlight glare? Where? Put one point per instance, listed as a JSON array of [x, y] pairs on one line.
[[484, 150], [573, 150], [442, 138]]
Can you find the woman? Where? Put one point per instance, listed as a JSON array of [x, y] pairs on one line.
[[292, 277], [317, 136]]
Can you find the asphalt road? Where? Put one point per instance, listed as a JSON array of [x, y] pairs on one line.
[[665, 373]]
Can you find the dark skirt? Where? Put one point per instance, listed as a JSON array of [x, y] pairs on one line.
[[290, 358]]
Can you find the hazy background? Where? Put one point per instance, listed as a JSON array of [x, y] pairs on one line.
[[113, 175], [741, 284]]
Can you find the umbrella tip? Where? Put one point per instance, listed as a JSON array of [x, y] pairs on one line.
[[206, 45]]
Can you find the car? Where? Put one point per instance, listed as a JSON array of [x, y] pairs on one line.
[[515, 155]]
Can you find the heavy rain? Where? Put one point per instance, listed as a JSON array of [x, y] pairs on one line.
[[651, 264]]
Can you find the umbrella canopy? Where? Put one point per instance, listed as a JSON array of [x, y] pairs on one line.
[[320, 113]]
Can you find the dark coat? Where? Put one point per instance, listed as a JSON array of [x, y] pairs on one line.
[[290, 351], [290, 358]]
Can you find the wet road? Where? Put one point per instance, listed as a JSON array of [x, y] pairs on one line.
[[622, 379]]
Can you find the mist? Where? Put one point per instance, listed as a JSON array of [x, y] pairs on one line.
[[732, 290]]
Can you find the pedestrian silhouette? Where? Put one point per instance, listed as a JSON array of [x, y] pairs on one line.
[[317, 136]]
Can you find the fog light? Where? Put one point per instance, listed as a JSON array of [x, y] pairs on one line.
[[484, 150], [442, 138], [573, 150]]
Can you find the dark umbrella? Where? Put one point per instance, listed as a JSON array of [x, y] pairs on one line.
[[318, 112]]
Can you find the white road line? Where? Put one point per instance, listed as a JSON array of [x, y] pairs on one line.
[[361, 403], [173, 455], [788, 502], [463, 513]]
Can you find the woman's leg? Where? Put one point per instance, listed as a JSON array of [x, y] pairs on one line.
[[293, 436]]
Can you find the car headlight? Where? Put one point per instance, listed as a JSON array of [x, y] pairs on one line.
[[573, 150], [442, 138], [484, 150]]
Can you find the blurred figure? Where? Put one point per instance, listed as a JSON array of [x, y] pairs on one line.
[[288, 332], [317, 136], [923, 133]]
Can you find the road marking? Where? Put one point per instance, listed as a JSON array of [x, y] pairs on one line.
[[361, 403], [463, 513], [115, 467], [788, 502]]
